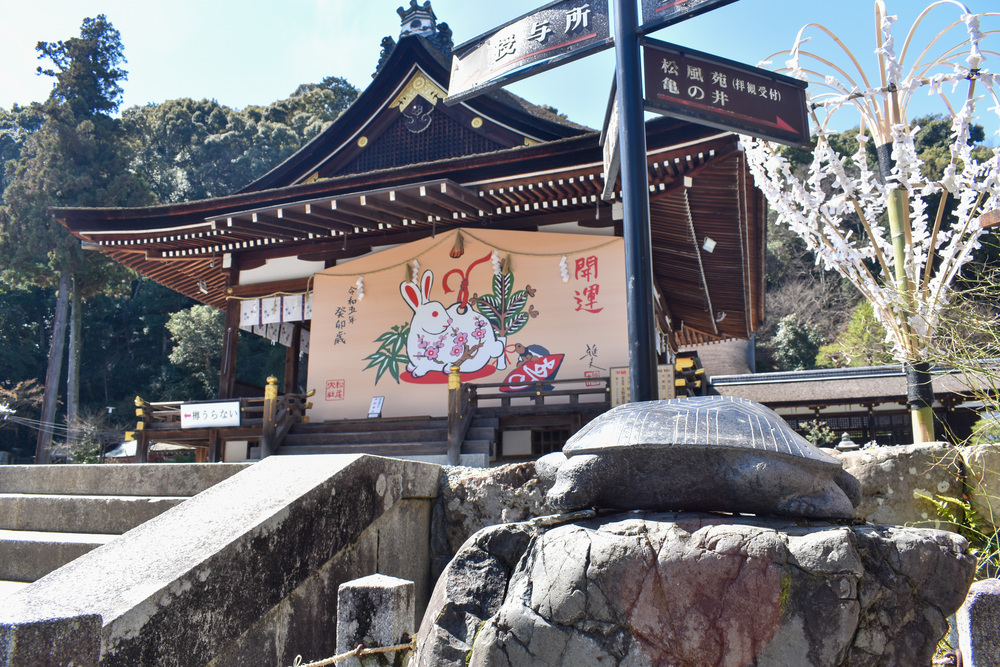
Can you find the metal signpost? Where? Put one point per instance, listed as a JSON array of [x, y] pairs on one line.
[[566, 30]]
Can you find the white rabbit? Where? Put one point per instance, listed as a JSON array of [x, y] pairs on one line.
[[441, 336], [429, 330]]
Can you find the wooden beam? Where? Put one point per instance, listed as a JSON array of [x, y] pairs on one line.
[[371, 214], [291, 385], [346, 219], [260, 229], [335, 253], [453, 196], [397, 210], [311, 225], [290, 286], [230, 340], [428, 206]]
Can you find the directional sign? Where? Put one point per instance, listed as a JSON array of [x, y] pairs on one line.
[[557, 33], [658, 14], [609, 144], [713, 91], [210, 415]]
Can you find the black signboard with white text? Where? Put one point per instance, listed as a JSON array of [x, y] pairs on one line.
[[658, 14], [721, 93], [557, 33]]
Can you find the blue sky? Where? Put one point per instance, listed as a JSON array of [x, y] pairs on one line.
[[257, 51]]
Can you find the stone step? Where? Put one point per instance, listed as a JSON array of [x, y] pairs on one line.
[[80, 514], [387, 448], [8, 587], [367, 425], [132, 479], [375, 448], [401, 436], [480, 433], [28, 555]]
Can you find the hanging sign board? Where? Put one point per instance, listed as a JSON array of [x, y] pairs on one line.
[[713, 91], [210, 415], [621, 390], [557, 33], [658, 14], [609, 145]]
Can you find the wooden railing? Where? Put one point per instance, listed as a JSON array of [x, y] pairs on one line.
[[542, 391], [265, 420], [464, 400]]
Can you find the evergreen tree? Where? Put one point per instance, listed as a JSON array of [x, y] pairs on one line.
[[73, 159]]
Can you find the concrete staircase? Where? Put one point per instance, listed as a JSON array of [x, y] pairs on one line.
[[50, 515], [420, 438]]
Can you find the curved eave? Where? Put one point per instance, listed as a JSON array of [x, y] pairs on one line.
[[698, 182]]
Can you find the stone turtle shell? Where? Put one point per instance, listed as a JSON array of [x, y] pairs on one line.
[[699, 421]]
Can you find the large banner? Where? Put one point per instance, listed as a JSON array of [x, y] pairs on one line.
[[516, 307]]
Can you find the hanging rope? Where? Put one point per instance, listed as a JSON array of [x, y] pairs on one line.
[[359, 652]]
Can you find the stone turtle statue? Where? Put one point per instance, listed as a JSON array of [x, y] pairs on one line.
[[706, 453]]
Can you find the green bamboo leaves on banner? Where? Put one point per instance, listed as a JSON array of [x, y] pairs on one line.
[[389, 355]]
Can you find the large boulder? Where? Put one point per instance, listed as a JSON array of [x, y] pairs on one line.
[[895, 482], [470, 590], [983, 465], [471, 499], [705, 589]]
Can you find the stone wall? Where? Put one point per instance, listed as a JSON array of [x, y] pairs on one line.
[[246, 573]]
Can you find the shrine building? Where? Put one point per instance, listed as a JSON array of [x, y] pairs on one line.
[[412, 236]]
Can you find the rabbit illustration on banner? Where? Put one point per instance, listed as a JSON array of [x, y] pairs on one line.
[[440, 337]]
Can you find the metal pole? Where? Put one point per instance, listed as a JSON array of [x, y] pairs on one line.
[[635, 200]]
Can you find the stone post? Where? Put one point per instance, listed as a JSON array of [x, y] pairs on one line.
[[375, 611], [979, 625]]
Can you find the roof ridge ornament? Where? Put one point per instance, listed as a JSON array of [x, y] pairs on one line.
[[418, 21]]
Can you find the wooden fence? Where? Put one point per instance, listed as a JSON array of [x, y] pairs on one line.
[[263, 420]]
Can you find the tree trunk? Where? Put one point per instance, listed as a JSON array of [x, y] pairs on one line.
[[73, 369], [54, 369]]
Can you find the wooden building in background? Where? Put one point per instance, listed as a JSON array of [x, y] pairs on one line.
[[482, 221]]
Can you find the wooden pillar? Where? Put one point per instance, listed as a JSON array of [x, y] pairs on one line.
[[268, 429], [456, 429], [292, 354], [230, 338], [215, 450]]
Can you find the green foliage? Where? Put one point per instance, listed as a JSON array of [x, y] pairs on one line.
[[73, 158], [24, 313], [389, 355], [862, 343], [504, 309], [986, 431], [795, 344], [965, 518], [187, 149], [16, 126], [24, 398], [197, 337], [87, 68], [94, 437], [820, 434]]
